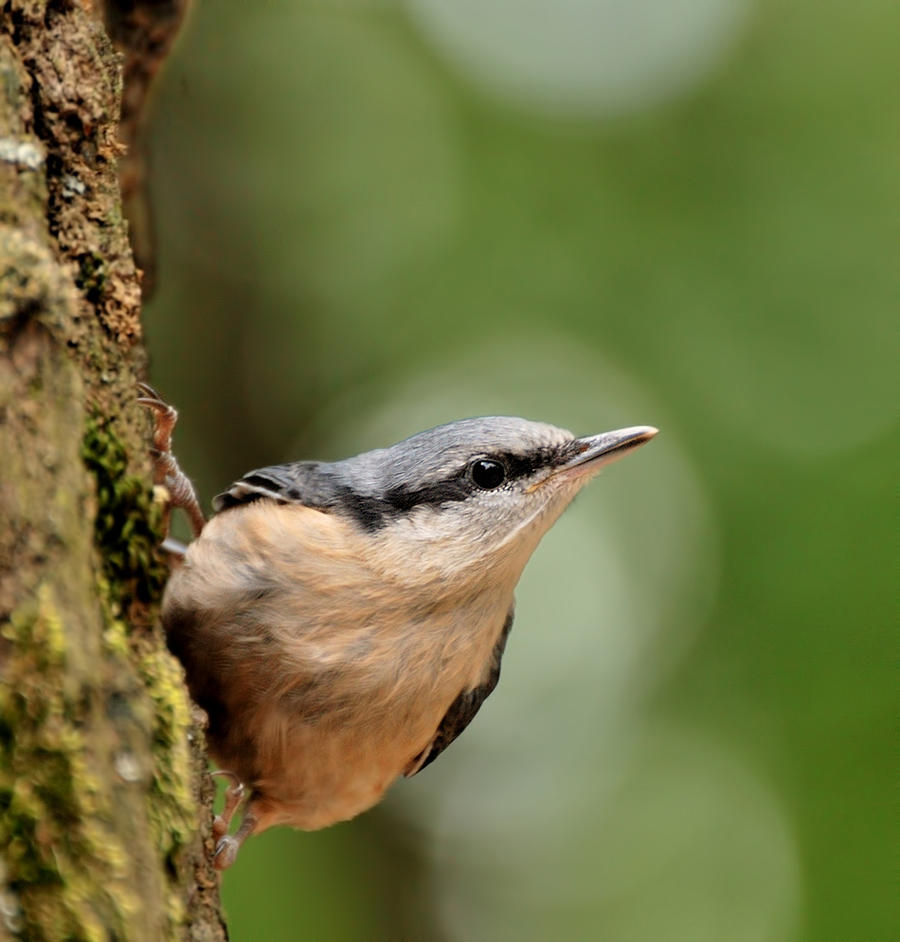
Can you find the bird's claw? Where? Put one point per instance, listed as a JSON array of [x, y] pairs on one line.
[[165, 467], [226, 852], [234, 795], [228, 845]]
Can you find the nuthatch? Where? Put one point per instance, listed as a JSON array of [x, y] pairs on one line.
[[341, 623]]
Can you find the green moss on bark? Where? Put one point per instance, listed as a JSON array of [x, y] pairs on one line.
[[127, 534], [97, 732], [128, 522], [68, 871]]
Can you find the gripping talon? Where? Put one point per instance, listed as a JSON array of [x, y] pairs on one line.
[[148, 390], [228, 846], [165, 467], [234, 795]]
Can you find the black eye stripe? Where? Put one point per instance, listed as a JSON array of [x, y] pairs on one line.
[[521, 466], [441, 492], [374, 512]]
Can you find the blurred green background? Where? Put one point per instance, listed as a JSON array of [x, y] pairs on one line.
[[376, 216]]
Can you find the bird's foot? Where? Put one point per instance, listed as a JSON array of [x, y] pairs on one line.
[[228, 845], [166, 471], [234, 795]]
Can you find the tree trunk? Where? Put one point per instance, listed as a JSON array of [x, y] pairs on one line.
[[104, 805]]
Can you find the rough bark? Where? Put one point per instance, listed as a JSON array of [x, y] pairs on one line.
[[104, 807]]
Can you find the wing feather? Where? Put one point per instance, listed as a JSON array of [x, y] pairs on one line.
[[293, 483], [463, 709]]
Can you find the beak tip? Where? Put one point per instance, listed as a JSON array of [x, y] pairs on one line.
[[601, 449], [636, 435]]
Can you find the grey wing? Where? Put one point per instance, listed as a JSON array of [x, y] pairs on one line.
[[463, 709], [300, 482]]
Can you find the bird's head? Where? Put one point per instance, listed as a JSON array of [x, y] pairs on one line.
[[473, 496]]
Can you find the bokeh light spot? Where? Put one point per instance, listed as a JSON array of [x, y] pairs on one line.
[[582, 58]]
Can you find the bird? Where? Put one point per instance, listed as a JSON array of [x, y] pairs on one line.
[[341, 623]]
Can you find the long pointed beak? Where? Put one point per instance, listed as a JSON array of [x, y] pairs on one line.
[[594, 451]]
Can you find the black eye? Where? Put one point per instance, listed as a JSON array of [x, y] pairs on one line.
[[487, 473]]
